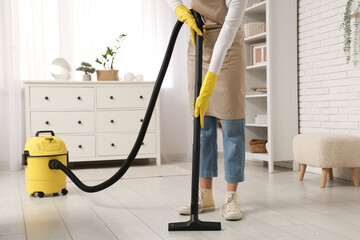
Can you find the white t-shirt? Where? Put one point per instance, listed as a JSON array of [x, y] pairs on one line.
[[236, 9]]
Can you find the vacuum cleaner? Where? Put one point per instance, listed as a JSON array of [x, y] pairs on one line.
[[44, 156], [39, 150]]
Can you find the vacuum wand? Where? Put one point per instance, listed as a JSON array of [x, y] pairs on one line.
[[194, 224], [197, 127]]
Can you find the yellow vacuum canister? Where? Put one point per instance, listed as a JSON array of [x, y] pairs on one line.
[[39, 150]]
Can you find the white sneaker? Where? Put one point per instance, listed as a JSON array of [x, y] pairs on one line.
[[230, 210], [206, 203]]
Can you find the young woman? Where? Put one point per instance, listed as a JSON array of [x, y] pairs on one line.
[[224, 63]]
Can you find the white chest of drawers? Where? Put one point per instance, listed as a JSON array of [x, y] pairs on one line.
[[97, 120]]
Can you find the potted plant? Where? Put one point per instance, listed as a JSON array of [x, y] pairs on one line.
[[107, 61], [351, 31], [86, 68]]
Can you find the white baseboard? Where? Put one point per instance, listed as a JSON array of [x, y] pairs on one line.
[[284, 164]]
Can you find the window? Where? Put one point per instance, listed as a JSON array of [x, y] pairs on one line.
[[80, 30]]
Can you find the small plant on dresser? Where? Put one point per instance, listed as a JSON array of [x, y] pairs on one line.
[[107, 61], [86, 68]]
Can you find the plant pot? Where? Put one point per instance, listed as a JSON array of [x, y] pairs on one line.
[[107, 75], [86, 77]]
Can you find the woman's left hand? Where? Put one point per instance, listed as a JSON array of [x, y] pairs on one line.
[[202, 101]]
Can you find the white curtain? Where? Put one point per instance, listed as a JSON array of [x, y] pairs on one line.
[[11, 108], [176, 117], [39, 31]]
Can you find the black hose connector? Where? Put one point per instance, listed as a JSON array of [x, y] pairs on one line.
[[54, 164]]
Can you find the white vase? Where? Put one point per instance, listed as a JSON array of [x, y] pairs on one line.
[[139, 78], [86, 77], [129, 76]]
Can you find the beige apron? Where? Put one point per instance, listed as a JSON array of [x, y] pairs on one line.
[[228, 99]]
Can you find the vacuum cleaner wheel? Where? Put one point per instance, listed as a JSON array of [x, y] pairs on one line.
[[41, 194], [64, 191]]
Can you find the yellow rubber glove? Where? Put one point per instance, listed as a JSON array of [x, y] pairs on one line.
[[202, 101], [184, 15]]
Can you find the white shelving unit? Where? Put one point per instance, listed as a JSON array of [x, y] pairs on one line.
[[261, 36], [279, 75], [257, 96], [256, 125], [256, 7], [257, 67]]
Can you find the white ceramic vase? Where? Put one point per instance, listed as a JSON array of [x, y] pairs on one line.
[[86, 77]]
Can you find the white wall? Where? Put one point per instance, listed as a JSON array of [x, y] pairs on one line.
[[329, 88]]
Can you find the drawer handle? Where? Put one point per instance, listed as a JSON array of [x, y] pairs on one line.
[[113, 144], [141, 120], [46, 98], [47, 122], [80, 146], [141, 97], [79, 98], [79, 122], [111, 97], [112, 121]]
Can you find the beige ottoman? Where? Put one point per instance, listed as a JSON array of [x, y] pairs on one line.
[[327, 150]]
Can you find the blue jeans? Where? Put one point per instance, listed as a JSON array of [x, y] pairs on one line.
[[234, 149]]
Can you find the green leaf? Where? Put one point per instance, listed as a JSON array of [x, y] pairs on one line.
[[86, 64]]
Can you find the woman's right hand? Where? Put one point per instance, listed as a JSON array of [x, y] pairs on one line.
[[184, 15]]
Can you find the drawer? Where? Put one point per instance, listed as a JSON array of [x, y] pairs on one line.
[[79, 146], [61, 98], [121, 121], [121, 144], [62, 122], [119, 97]]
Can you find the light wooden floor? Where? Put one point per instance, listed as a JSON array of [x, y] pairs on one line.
[[276, 206]]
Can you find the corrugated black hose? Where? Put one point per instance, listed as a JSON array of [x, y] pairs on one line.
[[55, 164]]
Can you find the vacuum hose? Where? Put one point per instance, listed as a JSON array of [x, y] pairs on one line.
[[55, 164]]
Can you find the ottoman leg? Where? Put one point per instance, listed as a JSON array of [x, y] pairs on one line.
[[302, 171], [331, 177], [324, 172], [354, 177]]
